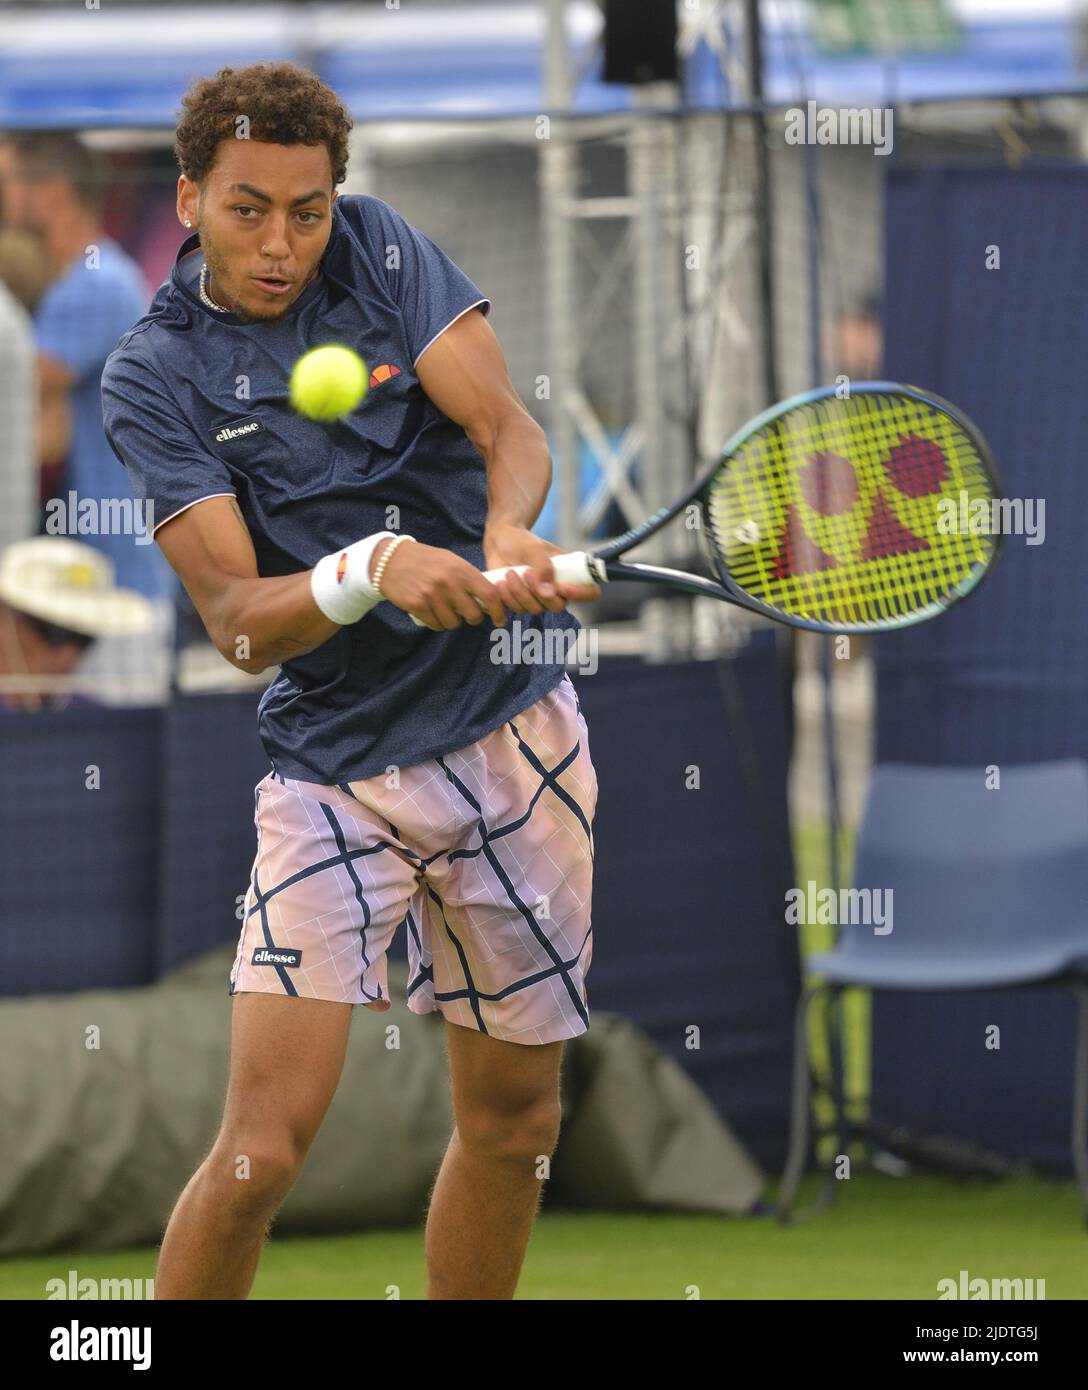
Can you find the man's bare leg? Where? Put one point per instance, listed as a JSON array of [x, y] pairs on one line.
[[485, 1199], [286, 1059]]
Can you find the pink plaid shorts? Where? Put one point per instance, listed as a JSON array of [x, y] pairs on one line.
[[486, 856]]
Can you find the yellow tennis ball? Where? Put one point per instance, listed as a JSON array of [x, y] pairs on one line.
[[328, 382]]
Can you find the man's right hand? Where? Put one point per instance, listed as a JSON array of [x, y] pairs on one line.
[[437, 587]]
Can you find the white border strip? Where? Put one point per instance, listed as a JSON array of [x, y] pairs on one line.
[[172, 515], [427, 27], [452, 321]]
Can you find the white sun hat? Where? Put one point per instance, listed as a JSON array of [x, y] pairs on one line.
[[71, 585]]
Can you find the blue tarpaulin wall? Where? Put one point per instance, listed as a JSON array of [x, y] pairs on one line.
[[112, 884], [1002, 679], [69, 66]]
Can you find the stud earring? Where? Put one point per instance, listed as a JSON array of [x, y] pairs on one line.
[[188, 223]]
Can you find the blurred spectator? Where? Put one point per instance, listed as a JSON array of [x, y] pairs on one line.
[[56, 597], [52, 189], [856, 348], [18, 423], [23, 268], [25, 272]]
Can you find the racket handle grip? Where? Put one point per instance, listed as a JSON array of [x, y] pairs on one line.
[[577, 567]]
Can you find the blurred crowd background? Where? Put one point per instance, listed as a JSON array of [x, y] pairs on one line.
[[658, 265]]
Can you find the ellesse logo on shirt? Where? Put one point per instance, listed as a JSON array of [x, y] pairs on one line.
[[385, 372], [238, 429]]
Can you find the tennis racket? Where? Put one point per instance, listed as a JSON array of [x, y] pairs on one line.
[[831, 513]]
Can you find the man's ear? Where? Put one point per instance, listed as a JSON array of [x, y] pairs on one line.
[[188, 196]]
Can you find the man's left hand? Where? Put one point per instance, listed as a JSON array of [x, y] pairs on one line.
[[506, 545]]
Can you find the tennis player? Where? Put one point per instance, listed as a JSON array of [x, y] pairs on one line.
[[413, 779]]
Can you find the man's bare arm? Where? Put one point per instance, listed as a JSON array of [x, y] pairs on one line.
[[464, 373], [55, 382], [255, 623]]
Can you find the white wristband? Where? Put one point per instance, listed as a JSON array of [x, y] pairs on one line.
[[340, 582]]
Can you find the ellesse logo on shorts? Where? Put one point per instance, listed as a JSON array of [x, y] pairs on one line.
[[277, 955], [237, 429]]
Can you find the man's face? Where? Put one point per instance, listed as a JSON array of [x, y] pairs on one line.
[[25, 651], [264, 213], [19, 196], [860, 347]]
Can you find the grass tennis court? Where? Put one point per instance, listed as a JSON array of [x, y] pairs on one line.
[[885, 1238]]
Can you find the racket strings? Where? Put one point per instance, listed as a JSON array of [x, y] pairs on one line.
[[852, 511]]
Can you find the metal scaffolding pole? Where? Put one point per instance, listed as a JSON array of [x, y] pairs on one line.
[[558, 180], [652, 459], [659, 344], [645, 153], [764, 214]]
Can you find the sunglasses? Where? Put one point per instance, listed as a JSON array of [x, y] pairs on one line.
[[56, 636]]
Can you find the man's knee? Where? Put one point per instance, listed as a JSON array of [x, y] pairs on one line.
[[256, 1170], [505, 1095], [524, 1133]]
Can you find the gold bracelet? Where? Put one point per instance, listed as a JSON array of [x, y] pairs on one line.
[[376, 580]]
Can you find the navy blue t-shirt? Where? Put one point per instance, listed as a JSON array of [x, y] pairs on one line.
[[195, 405]]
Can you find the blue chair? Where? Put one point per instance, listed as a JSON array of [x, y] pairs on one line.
[[990, 891]]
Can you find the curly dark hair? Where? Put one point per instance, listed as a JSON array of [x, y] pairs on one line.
[[284, 104]]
